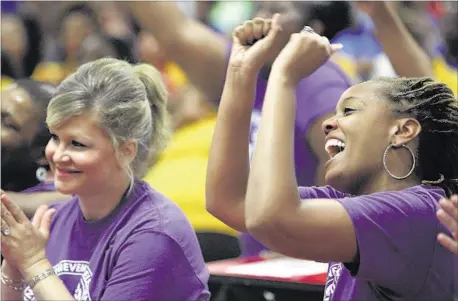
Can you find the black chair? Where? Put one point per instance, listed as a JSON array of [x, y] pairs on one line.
[[218, 246]]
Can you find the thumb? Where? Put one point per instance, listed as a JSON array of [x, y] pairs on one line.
[[38, 216], [275, 28], [335, 48], [45, 225]]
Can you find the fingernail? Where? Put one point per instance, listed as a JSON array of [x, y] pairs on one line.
[[338, 46]]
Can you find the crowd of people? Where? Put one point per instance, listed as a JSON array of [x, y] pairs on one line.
[[140, 141]]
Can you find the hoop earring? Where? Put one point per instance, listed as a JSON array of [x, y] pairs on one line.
[[41, 174], [386, 166]]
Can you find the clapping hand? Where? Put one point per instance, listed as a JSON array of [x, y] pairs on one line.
[[23, 242], [448, 215]]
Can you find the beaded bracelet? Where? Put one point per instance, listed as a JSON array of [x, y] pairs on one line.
[[17, 285]]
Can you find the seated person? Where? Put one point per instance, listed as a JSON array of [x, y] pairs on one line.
[[24, 136], [392, 159], [116, 238]]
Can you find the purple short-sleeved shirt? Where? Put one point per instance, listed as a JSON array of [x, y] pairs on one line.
[[316, 96], [144, 250], [42, 187], [399, 256]]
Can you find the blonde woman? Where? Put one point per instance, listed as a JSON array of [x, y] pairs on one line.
[[117, 238]]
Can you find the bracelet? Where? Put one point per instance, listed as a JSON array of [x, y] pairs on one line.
[[41, 276], [17, 285]]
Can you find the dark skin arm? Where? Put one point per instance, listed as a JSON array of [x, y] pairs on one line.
[[393, 35], [198, 50]]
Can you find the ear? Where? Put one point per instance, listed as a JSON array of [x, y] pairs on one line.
[[128, 150], [405, 130]]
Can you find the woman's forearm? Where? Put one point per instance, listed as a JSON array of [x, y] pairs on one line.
[[228, 164], [272, 186], [50, 288], [405, 54], [10, 273]]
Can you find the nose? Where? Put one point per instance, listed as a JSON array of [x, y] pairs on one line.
[[60, 155], [329, 125]]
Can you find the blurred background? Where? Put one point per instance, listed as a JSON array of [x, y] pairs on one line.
[[48, 40]]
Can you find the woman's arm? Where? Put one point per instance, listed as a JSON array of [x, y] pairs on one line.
[[195, 47], [24, 248], [406, 55], [228, 163], [30, 202], [274, 212]]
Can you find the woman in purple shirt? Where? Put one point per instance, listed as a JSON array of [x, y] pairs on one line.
[[393, 151], [117, 238]]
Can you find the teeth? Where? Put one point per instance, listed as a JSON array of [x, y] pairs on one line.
[[332, 145]]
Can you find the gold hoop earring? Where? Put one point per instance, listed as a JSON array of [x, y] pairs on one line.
[[386, 166]]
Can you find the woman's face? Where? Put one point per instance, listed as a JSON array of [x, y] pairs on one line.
[[357, 136], [19, 117], [14, 39], [82, 157]]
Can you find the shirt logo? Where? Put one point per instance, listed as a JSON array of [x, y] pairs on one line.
[[334, 271]]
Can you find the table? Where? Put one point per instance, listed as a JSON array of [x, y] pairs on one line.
[[258, 278]]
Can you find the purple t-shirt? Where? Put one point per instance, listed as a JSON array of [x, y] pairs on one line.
[[42, 187], [316, 95], [399, 256], [144, 250]]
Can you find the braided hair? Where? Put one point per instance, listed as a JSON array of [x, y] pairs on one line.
[[435, 107]]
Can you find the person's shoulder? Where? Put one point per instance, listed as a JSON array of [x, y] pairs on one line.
[[320, 192], [419, 196], [151, 209]]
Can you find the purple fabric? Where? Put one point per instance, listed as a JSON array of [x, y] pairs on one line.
[[144, 250], [399, 256], [42, 187]]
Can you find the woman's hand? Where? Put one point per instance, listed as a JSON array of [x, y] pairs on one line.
[[254, 43], [305, 52], [23, 242], [448, 215]]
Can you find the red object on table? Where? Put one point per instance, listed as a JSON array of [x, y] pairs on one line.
[[275, 269]]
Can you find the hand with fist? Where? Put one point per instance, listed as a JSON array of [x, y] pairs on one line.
[[305, 52], [255, 43]]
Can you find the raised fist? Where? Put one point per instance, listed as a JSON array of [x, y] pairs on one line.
[[305, 52], [255, 43]]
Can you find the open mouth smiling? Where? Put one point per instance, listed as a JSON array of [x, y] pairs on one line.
[[334, 147]]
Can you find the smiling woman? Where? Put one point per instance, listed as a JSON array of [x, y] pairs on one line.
[[393, 147], [23, 132], [117, 238]]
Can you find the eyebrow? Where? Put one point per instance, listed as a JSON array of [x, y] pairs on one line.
[[72, 136]]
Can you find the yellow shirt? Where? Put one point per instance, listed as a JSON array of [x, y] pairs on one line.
[[52, 72], [5, 82], [181, 171], [446, 74]]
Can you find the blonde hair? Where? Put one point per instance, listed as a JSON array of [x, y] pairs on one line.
[[129, 101]]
